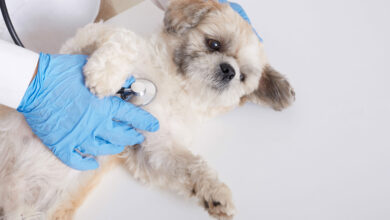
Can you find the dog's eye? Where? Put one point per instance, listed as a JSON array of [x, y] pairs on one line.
[[213, 44], [242, 77]]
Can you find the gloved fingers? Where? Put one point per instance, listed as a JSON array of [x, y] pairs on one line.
[[134, 116], [77, 161], [128, 82], [100, 146], [120, 133], [109, 149]]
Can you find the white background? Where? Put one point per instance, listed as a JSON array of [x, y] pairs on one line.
[[326, 157]]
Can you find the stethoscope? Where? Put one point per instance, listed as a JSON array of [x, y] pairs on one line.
[[140, 93], [8, 23]]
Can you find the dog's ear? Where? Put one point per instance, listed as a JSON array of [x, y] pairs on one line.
[[273, 90], [182, 15]]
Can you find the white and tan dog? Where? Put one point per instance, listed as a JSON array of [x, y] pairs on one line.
[[205, 61]]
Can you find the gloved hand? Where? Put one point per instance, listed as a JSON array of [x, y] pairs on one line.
[[236, 7], [70, 120]]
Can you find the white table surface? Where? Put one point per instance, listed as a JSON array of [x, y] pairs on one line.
[[327, 157]]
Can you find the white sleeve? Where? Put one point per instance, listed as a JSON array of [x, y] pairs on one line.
[[162, 4], [17, 69]]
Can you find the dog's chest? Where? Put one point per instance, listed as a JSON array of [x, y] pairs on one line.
[[172, 107]]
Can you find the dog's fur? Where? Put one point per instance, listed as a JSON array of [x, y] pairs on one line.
[[190, 90]]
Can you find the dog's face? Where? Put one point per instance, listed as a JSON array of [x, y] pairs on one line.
[[220, 56]]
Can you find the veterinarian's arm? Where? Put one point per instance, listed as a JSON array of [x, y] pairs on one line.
[[17, 69]]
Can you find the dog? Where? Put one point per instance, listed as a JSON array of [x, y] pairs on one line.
[[205, 61]]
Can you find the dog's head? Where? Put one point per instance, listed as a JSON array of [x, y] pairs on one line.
[[220, 56]]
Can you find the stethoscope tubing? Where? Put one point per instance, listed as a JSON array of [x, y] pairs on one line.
[[9, 25]]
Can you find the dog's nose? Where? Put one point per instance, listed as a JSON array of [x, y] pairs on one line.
[[228, 71]]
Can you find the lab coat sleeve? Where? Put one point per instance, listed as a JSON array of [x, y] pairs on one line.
[[17, 69], [162, 4]]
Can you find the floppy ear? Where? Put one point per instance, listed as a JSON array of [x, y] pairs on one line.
[[182, 15], [273, 90]]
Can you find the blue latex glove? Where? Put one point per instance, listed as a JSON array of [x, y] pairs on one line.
[[69, 119], [236, 7]]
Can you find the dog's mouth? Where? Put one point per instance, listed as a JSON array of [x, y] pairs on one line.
[[220, 82]]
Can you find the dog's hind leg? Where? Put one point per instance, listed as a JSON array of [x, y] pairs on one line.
[[65, 209]]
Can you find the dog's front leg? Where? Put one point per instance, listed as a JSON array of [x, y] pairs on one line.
[[112, 63], [114, 55], [180, 170]]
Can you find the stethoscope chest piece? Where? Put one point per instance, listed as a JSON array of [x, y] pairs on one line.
[[140, 93]]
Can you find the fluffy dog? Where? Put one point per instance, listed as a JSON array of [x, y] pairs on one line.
[[205, 61]]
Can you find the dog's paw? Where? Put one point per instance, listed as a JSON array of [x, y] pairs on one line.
[[101, 81], [217, 200], [101, 88]]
